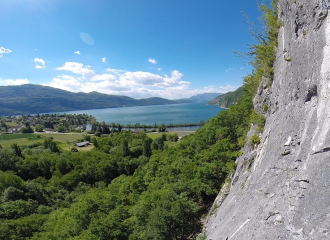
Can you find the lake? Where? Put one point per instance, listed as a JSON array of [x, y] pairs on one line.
[[173, 113]]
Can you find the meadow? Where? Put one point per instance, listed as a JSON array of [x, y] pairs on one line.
[[64, 140], [24, 139]]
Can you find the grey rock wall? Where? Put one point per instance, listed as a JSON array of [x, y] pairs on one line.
[[281, 188]]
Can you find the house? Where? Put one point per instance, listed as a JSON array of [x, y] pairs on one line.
[[82, 144], [14, 130]]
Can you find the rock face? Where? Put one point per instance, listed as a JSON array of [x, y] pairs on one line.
[[281, 188]]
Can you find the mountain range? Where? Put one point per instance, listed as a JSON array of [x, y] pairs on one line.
[[31, 99]]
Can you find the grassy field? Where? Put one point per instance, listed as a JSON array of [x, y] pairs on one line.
[[168, 143], [180, 134], [67, 137], [155, 135], [64, 140], [21, 139], [11, 124]]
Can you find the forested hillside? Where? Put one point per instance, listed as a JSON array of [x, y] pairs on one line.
[[29, 98], [127, 187], [228, 99], [202, 98]]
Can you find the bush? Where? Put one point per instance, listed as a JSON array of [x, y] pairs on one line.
[[27, 130], [255, 139], [265, 107], [12, 194], [38, 128]]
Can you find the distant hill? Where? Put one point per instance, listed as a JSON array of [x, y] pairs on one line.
[[228, 99], [202, 98], [30, 98]]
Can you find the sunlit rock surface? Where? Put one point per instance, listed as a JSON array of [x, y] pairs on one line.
[[281, 188]]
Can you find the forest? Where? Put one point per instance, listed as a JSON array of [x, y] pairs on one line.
[[130, 186]]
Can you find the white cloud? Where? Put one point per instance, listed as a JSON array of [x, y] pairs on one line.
[[14, 82], [104, 60], [115, 71], [159, 69], [3, 51], [36, 49], [103, 77], [39, 60], [141, 78], [227, 88], [77, 52], [42, 62], [136, 84], [229, 69], [153, 61], [78, 68]]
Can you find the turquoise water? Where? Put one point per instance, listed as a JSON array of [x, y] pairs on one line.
[[174, 113]]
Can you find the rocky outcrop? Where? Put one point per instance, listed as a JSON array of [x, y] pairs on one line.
[[281, 188]]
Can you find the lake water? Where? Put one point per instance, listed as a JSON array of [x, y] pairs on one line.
[[173, 113]]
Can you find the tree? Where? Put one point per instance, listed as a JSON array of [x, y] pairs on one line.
[[27, 129], [125, 148], [61, 129], [50, 144], [38, 128], [54, 148], [17, 149], [158, 144], [146, 146], [105, 129], [162, 128], [95, 143], [4, 125]]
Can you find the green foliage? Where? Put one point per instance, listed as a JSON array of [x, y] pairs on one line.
[[27, 129], [228, 99], [146, 146], [61, 129], [151, 195], [38, 128], [22, 228], [158, 144], [12, 194], [255, 139], [50, 144], [172, 137], [125, 148], [17, 150], [9, 179], [258, 119], [265, 108]]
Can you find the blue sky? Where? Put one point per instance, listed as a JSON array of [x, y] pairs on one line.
[[138, 48]]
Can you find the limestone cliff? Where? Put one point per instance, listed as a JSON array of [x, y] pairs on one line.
[[281, 188]]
